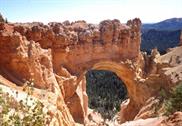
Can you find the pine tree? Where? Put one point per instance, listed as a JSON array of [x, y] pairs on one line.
[[1, 18], [6, 20]]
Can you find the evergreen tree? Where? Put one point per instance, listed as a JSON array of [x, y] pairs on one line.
[[1, 18]]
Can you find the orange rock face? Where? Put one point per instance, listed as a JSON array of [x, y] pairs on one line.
[[173, 120], [56, 56]]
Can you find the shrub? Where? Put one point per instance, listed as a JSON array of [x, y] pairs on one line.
[[174, 102], [21, 113]]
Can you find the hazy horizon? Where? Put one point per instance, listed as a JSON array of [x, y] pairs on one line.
[[92, 11]]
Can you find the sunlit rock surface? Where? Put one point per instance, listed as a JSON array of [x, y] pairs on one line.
[[58, 55]]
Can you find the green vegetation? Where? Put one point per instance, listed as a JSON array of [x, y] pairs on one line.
[[174, 102], [105, 91], [2, 19], [21, 113], [159, 39], [161, 35]]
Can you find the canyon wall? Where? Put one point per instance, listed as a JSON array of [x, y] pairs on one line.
[[56, 56]]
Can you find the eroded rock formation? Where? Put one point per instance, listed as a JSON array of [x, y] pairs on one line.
[[56, 56]]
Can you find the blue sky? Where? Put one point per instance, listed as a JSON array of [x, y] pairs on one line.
[[93, 11]]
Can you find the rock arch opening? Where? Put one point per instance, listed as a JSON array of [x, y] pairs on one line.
[[105, 91]]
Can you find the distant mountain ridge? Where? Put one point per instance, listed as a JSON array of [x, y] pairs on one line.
[[168, 24], [161, 35]]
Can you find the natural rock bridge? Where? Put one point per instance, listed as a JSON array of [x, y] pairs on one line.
[[56, 56]]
